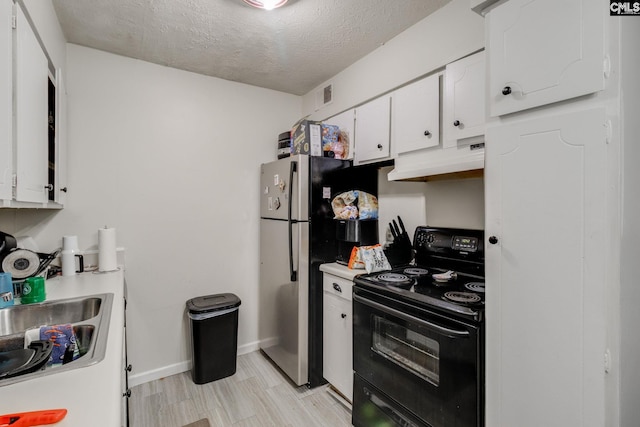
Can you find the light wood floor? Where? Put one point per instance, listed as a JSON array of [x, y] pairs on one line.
[[257, 395]]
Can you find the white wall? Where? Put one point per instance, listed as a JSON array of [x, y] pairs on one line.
[[457, 203], [448, 34], [171, 160]]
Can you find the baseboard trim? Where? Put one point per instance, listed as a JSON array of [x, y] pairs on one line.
[[177, 368]]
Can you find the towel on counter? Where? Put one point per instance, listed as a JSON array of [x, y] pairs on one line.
[[61, 336]]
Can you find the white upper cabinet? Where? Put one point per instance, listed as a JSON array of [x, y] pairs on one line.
[[372, 135], [545, 189], [416, 115], [6, 100], [464, 99], [32, 122], [346, 122], [543, 51]]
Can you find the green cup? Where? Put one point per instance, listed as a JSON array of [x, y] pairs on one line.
[[33, 290]]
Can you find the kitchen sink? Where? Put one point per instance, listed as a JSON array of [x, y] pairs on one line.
[[90, 317], [19, 318]]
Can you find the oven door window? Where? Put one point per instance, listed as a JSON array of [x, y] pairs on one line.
[[408, 349]]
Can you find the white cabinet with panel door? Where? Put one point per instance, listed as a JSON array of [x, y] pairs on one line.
[[337, 326], [32, 117], [6, 99], [464, 101], [32, 120], [545, 187], [415, 117], [372, 134], [543, 51]]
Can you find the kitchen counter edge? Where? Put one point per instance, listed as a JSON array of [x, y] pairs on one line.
[[90, 393], [341, 270]]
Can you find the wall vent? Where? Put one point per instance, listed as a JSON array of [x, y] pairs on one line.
[[324, 96]]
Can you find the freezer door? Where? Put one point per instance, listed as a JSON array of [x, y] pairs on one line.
[[283, 304], [283, 181]]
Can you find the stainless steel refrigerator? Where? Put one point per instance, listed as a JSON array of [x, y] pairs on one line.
[[297, 234]]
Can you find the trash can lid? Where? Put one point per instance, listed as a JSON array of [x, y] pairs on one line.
[[208, 303]]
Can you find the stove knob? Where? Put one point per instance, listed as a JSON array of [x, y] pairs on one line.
[[493, 240], [430, 238]]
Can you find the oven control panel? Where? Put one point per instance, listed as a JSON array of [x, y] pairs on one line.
[[449, 242], [467, 244]]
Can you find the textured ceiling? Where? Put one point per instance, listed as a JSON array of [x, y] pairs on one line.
[[293, 49]]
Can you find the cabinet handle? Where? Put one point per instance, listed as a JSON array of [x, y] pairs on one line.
[[343, 315], [63, 189], [128, 368], [506, 90], [427, 133], [337, 287], [48, 187], [493, 240], [379, 146], [127, 393], [456, 123]]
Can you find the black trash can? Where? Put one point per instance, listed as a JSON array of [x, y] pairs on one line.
[[214, 336]]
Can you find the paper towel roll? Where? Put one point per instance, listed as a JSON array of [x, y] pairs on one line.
[[107, 258]]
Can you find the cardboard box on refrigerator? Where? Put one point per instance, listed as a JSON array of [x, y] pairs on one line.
[[306, 138]]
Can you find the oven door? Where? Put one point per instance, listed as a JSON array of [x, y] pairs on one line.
[[424, 362]]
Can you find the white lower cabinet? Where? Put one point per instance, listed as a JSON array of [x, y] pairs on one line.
[[337, 333], [546, 248]]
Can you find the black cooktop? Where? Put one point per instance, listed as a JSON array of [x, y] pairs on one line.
[[448, 278]]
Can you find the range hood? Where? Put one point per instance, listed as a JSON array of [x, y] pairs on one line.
[[420, 165]]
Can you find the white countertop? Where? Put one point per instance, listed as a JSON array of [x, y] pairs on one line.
[[341, 270], [92, 395]]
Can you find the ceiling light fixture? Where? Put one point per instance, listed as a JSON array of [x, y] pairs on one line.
[[266, 4]]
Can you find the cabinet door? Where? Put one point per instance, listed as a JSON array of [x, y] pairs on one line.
[[337, 364], [32, 80], [545, 302], [543, 51], [346, 122], [61, 140], [373, 130], [6, 100], [416, 115], [464, 99]]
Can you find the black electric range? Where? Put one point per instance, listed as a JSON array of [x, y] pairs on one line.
[[448, 275], [418, 336]]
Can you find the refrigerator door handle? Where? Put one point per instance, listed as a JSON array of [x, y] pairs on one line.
[[292, 169]]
